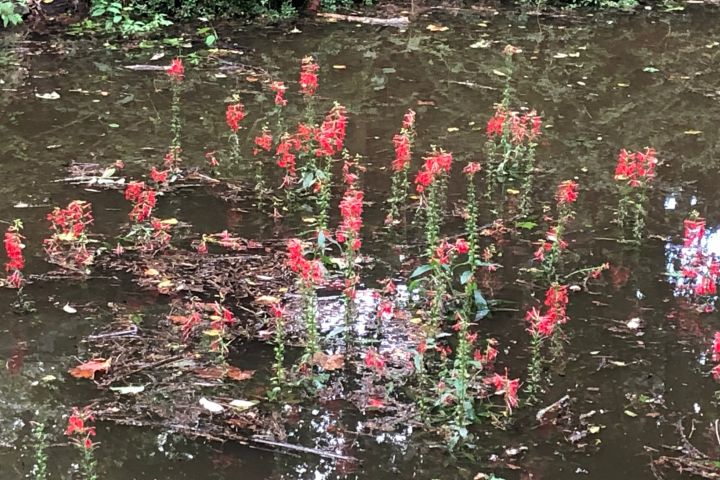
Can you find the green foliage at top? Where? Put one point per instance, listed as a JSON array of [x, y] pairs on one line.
[[11, 12]]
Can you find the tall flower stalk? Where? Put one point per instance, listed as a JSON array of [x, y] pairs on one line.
[[329, 140], [176, 72], [348, 234], [234, 114], [80, 433], [551, 247], [543, 326], [279, 374], [402, 144], [263, 143], [310, 274], [429, 183], [14, 247], [308, 85], [633, 174], [512, 137], [39, 470], [464, 409]]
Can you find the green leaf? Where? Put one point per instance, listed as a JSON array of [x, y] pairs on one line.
[[465, 276], [210, 40], [481, 305], [527, 225], [308, 179], [420, 270]]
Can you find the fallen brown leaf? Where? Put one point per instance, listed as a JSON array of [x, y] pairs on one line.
[[328, 362], [210, 373], [90, 368], [236, 374]]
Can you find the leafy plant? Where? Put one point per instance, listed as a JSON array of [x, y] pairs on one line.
[[127, 20], [11, 12]]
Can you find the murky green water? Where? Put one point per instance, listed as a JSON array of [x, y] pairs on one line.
[[588, 77]]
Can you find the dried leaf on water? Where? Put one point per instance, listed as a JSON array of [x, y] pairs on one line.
[[239, 375], [129, 389], [48, 96], [210, 373], [437, 28], [267, 300], [68, 309], [328, 362], [242, 405], [90, 368]]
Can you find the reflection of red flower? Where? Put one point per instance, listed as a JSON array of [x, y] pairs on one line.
[[472, 168], [694, 231], [279, 89], [373, 360], [308, 76]]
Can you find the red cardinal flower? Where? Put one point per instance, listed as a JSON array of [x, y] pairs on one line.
[[176, 70], [159, 176], [567, 192], [263, 142], [234, 115], [461, 246]]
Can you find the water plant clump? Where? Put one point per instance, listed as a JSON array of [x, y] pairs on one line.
[[633, 174], [435, 349]]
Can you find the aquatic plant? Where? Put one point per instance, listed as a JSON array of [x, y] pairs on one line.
[[80, 433], [67, 245], [429, 183], [308, 85], [543, 326], [511, 137], [715, 349], [176, 72], [263, 143], [633, 174], [348, 234], [310, 273], [277, 315], [40, 445], [507, 388], [402, 145], [234, 114], [551, 247], [14, 247]]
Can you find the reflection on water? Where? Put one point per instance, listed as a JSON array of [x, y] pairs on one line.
[[692, 266], [588, 85]]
